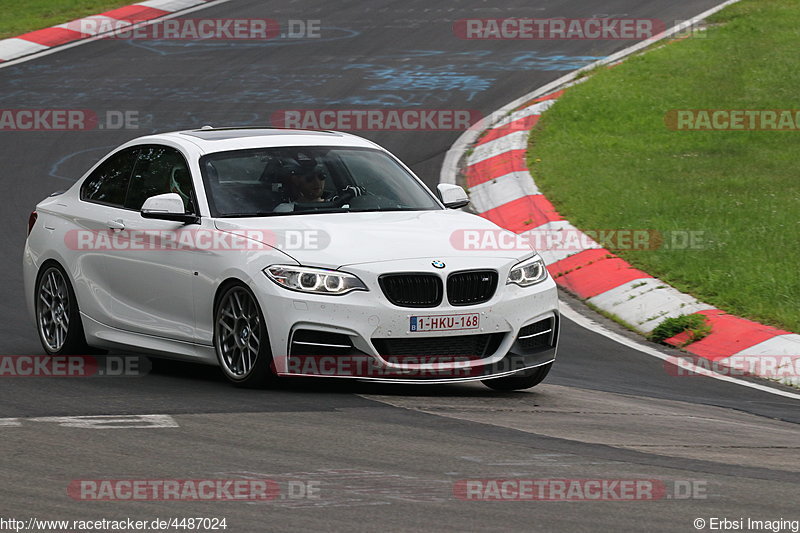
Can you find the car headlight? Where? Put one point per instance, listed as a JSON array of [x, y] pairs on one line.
[[314, 280], [527, 273]]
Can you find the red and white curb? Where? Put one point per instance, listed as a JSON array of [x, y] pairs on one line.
[[503, 191], [40, 40]]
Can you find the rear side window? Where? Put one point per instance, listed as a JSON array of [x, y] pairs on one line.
[[159, 170], [108, 183]]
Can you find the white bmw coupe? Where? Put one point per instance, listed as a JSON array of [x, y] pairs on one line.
[[274, 252]]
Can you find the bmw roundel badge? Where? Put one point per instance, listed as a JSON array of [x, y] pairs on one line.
[[438, 264]]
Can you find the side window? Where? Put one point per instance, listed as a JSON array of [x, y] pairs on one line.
[[159, 170], [109, 182]]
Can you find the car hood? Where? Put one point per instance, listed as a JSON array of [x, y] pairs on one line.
[[333, 240]]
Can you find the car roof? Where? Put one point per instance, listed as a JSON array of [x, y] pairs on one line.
[[210, 140]]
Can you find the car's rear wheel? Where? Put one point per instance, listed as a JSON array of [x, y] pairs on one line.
[[58, 319], [512, 383], [240, 338]]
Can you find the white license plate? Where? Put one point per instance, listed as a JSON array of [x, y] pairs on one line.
[[445, 322]]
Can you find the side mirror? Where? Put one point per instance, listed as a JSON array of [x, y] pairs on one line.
[[167, 206], [452, 196]]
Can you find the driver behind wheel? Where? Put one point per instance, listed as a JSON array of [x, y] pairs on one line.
[[301, 183], [304, 182]]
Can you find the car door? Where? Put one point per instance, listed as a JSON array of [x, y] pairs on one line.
[[153, 263], [102, 199]]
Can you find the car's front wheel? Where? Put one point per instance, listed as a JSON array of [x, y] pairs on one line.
[[240, 338], [58, 319], [512, 383]]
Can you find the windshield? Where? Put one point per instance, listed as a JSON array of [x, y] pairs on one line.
[[303, 179]]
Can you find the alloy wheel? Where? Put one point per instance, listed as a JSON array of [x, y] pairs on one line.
[[238, 332], [53, 309]]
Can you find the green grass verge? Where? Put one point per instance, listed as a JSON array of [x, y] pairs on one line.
[[21, 16], [696, 325], [608, 161]]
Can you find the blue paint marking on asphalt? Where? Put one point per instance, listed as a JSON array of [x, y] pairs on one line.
[[174, 47], [537, 61], [146, 127], [405, 79], [432, 53], [54, 168], [509, 61], [395, 80], [419, 78], [190, 120], [391, 81]]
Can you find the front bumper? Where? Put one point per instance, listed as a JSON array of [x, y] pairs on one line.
[[369, 321], [448, 370]]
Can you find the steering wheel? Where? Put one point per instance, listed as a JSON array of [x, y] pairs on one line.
[[338, 201]]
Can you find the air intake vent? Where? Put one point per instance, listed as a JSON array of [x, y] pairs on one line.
[[310, 342], [540, 334], [472, 346]]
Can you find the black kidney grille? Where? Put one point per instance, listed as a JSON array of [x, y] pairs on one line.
[[412, 290], [478, 346], [472, 287]]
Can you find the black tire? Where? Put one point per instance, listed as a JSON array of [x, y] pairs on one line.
[[58, 319], [246, 370], [512, 383]]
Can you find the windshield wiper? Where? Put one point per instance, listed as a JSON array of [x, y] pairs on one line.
[[376, 209], [254, 214]]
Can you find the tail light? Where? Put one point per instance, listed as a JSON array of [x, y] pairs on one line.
[[32, 221]]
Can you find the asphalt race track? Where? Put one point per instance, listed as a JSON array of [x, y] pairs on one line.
[[382, 457]]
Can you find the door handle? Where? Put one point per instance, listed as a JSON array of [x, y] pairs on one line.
[[117, 224]]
